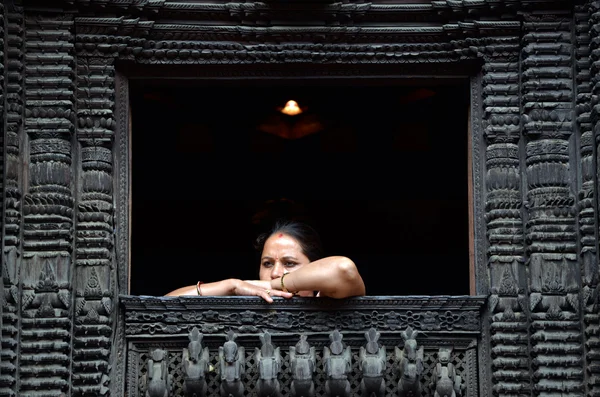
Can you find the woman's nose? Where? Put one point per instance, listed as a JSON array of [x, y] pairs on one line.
[[277, 270]]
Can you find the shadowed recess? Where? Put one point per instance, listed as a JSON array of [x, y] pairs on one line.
[[379, 169]]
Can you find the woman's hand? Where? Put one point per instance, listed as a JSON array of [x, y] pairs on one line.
[[258, 288], [233, 286]]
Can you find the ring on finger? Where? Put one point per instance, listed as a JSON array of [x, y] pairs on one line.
[[268, 291]]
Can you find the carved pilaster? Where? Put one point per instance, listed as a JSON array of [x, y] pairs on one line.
[[2, 104], [551, 230], [12, 202], [503, 204], [121, 219], [588, 36], [45, 348], [94, 228], [3, 47]]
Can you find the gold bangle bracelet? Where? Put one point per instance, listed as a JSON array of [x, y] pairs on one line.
[[198, 290], [282, 284]]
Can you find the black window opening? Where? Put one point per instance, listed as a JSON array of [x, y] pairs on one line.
[[380, 169]]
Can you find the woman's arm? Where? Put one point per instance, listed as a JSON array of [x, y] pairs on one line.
[[232, 286], [334, 276]]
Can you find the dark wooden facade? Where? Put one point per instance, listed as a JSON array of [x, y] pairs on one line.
[[69, 326]]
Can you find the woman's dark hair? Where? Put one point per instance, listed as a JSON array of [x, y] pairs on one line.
[[303, 233]]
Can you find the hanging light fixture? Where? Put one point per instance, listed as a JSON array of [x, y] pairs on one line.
[[292, 127], [291, 108]]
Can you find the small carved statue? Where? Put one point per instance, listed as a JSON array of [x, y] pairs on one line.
[[195, 366], [158, 379], [446, 382], [372, 364], [269, 360], [303, 362], [337, 360], [232, 362], [410, 365]]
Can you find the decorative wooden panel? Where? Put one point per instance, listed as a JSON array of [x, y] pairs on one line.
[[65, 132], [166, 323]]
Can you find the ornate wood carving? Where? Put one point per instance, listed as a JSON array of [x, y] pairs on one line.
[[11, 255], [478, 149], [372, 362], [121, 227], [555, 297], [439, 32], [3, 35], [232, 367], [337, 364], [268, 358], [303, 364], [445, 380], [195, 366], [534, 71], [410, 364], [158, 380], [46, 276], [506, 251], [419, 325], [587, 117], [94, 227], [171, 317]]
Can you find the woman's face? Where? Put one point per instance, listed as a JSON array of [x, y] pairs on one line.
[[281, 254]]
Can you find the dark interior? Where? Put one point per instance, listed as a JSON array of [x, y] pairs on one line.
[[379, 168]]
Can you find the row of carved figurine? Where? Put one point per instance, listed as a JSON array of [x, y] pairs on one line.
[[337, 364]]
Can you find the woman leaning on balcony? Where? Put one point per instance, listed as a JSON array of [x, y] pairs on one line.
[[292, 263]]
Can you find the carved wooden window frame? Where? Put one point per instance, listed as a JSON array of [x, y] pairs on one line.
[[476, 148]]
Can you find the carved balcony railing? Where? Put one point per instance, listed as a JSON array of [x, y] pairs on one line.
[[309, 347]]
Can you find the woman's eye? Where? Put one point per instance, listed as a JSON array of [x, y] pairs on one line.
[[290, 264], [267, 264]]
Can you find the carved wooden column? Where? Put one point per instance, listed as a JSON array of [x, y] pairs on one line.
[[551, 229], [46, 320], [102, 233], [3, 47], [2, 100], [508, 278], [587, 28], [94, 237], [11, 256]]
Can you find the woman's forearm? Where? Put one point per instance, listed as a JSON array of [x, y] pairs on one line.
[[232, 287], [334, 276], [217, 288]]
